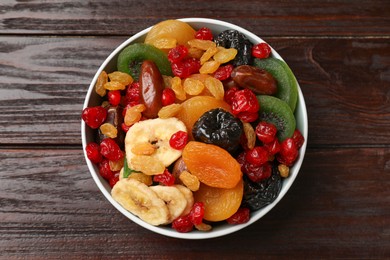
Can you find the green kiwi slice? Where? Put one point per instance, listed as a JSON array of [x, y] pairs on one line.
[[287, 84], [131, 58], [278, 112]]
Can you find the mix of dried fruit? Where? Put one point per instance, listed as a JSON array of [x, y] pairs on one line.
[[194, 130]]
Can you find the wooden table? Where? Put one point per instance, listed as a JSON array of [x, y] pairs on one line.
[[339, 206]]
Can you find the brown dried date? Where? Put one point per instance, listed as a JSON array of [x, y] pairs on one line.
[[114, 117], [151, 85], [255, 79]]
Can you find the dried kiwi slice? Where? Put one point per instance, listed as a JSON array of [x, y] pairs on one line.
[[287, 84], [276, 111], [131, 58]]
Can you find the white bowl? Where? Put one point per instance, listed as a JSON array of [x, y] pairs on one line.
[[92, 99]]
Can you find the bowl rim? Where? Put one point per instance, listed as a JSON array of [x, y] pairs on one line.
[[226, 229]]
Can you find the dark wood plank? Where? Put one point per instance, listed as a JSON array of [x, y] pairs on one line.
[[337, 208], [267, 18], [44, 81]]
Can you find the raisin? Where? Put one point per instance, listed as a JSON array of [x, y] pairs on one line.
[[235, 39], [259, 194], [220, 128]]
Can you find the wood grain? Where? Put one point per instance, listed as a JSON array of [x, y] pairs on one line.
[[268, 18], [45, 81], [50, 208]]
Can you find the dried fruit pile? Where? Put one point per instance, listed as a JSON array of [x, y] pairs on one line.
[[194, 128]]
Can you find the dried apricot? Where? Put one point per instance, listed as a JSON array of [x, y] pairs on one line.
[[219, 204], [213, 165]]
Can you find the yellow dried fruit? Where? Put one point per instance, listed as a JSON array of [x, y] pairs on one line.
[[284, 170], [109, 130], [114, 85], [169, 111], [99, 86], [195, 53], [208, 54], [215, 87], [250, 135], [201, 44], [141, 177], [133, 114], [177, 87], [193, 86], [143, 149], [189, 180], [116, 165], [209, 67], [165, 43], [225, 55], [203, 227], [147, 164], [121, 77]]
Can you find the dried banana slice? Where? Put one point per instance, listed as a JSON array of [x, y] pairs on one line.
[[141, 200], [189, 197], [174, 199]]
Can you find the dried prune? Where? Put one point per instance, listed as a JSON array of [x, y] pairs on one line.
[[259, 194], [237, 40], [220, 128]]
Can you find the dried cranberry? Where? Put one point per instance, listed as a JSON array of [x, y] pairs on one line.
[[245, 101], [197, 212], [288, 152], [204, 33], [125, 127], [133, 94], [258, 173], [229, 95], [105, 170], [186, 67], [93, 152], [298, 138], [166, 178], [261, 50], [183, 224], [240, 217], [110, 149], [178, 140], [223, 72], [248, 117], [272, 147], [257, 156], [114, 179], [168, 97], [266, 132], [177, 54], [114, 97], [94, 116]]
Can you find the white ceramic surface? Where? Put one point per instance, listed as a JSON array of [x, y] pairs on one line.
[[93, 99]]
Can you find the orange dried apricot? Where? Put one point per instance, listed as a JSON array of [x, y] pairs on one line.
[[219, 204], [213, 165]]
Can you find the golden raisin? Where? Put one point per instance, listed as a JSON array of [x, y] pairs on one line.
[[203, 227], [209, 67], [201, 44], [284, 170], [250, 135], [147, 164], [208, 54], [169, 111], [99, 86], [114, 85], [177, 87], [195, 53], [109, 130], [116, 165], [215, 87], [143, 149], [192, 86], [189, 180], [133, 114], [121, 77], [225, 55]]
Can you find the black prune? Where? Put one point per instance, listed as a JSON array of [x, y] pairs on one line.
[[237, 40], [259, 194], [220, 128]]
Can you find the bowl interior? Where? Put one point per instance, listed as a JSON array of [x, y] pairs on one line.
[[92, 99]]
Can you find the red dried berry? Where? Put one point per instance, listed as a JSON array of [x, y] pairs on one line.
[[245, 101], [223, 72], [248, 117], [197, 212], [288, 152], [93, 152], [257, 173], [298, 138], [229, 95], [272, 147], [257, 156], [166, 178], [178, 140], [111, 150], [261, 50], [204, 33], [183, 224], [240, 217], [105, 170], [114, 179], [186, 67], [94, 116], [133, 94], [114, 97], [266, 132], [177, 54], [168, 97], [125, 127]]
